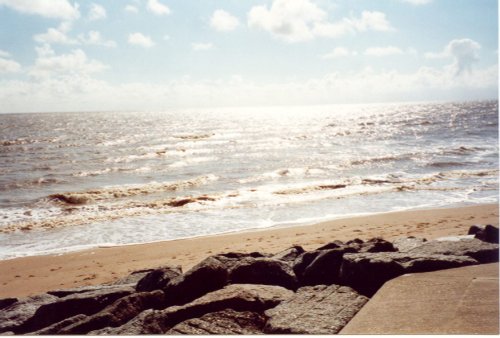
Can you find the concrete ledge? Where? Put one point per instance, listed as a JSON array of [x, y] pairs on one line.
[[454, 301]]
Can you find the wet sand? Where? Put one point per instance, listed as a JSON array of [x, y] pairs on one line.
[[33, 275]]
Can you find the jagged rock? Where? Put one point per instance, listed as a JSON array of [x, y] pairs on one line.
[[325, 268], [332, 245], [15, 314], [483, 252], [486, 233], [367, 272], [116, 314], [54, 328], [132, 278], [209, 275], [227, 322], [158, 278], [316, 309], [86, 289], [303, 261], [79, 303], [239, 297], [265, 271], [405, 244], [376, 245], [7, 302], [354, 241], [290, 254]]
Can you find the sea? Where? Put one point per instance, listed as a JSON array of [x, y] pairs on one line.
[[70, 181]]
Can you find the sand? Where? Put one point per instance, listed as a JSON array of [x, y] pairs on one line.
[[34, 275]]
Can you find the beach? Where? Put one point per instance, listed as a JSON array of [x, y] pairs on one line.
[[33, 275]]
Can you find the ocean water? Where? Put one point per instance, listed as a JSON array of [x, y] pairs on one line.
[[76, 180]]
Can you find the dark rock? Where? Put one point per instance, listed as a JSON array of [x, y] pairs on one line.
[[367, 272], [483, 252], [7, 302], [332, 245], [303, 261], [116, 314], [132, 278], [486, 233], [405, 244], [325, 268], [86, 289], [317, 309], [354, 241], [55, 328], [157, 279], [209, 275], [376, 245], [79, 303], [265, 271], [290, 254], [239, 297], [227, 322], [15, 314]]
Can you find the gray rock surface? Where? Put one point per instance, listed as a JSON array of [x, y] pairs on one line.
[[316, 309], [79, 303], [116, 314], [227, 322], [405, 244], [209, 275], [290, 254], [325, 267], [367, 272], [158, 278], [17, 313], [238, 297], [483, 252], [265, 271]]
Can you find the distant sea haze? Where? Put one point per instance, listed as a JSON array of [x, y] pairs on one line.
[[75, 180]]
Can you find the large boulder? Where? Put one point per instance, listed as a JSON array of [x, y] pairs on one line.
[[16, 313], [486, 233], [265, 271], [86, 303], [375, 245], [209, 275], [316, 309], [367, 272], [405, 244], [290, 254], [158, 278], [325, 267], [483, 252], [116, 314], [226, 322], [238, 297]]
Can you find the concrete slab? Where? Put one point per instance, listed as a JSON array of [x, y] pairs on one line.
[[454, 301]]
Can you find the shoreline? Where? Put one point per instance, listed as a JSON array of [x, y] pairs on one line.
[[32, 275]]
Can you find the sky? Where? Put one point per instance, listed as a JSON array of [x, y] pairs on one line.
[[154, 55]]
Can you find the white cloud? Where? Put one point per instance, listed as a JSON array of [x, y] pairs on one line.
[[139, 39], [301, 20], [50, 65], [463, 52], [59, 9], [95, 38], [339, 52], [418, 2], [223, 21], [156, 7], [56, 35], [4, 54], [96, 12], [200, 46], [6, 65], [383, 51], [131, 9]]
